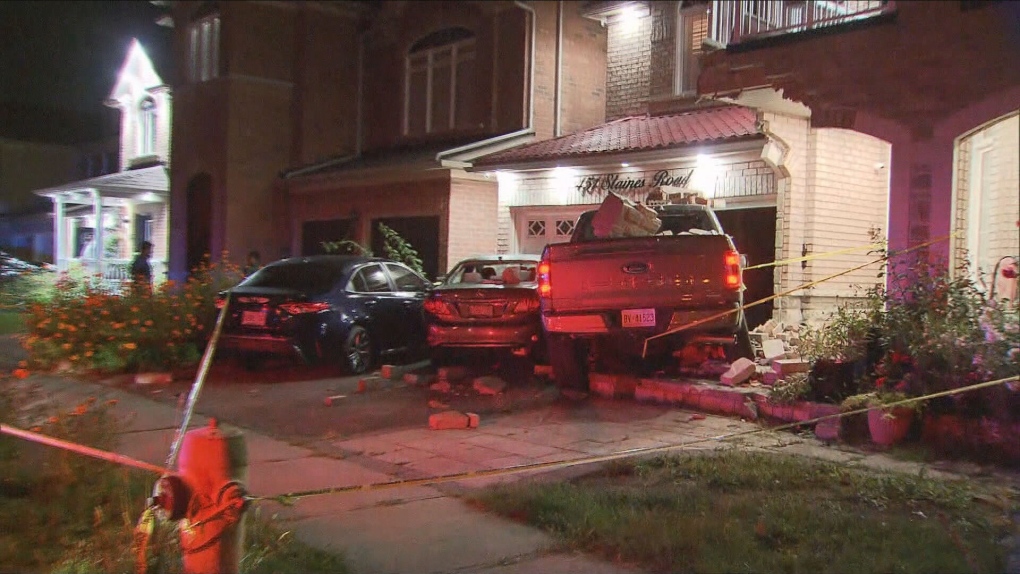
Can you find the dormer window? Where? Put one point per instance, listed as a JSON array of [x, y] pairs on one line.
[[440, 83], [204, 49], [147, 127]]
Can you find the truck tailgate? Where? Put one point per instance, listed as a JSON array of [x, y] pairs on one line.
[[646, 272]]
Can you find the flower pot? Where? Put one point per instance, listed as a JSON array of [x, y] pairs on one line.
[[889, 426]]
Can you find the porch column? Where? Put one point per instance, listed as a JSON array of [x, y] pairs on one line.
[[97, 208], [59, 241], [129, 235]]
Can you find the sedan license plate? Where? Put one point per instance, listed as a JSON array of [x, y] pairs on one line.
[[638, 318], [253, 318], [479, 310]]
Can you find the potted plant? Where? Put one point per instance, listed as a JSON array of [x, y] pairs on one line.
[[840, 349]]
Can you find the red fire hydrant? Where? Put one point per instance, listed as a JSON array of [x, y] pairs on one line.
[[209, 499]]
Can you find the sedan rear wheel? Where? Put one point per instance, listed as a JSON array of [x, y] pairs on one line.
[[357, 351]]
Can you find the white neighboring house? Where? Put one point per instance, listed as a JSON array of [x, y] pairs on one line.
[[121, 210]]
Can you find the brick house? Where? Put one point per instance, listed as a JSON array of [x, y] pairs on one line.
[[781, 187], [98, 223], [939, 82], [315, 121]]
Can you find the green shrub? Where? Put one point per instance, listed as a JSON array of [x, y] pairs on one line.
[[82, 323]]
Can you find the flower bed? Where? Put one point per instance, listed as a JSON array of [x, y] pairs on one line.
[[81, 325]]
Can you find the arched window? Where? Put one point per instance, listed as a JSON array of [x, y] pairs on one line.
[[440, 90], [147, 127]]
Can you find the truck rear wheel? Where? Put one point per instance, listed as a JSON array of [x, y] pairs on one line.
[[568, 362]]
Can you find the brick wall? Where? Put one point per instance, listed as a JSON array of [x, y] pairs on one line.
[[472, 214], [849, 194], [407, 198], [583, 79], [628, 66], [833, 196]]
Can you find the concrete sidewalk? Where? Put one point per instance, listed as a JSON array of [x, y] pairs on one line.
[[428, 529]]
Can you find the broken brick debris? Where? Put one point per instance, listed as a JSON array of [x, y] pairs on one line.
[[447, 420]]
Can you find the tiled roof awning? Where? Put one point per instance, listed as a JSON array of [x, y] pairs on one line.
[[147, 185], [715, 125]]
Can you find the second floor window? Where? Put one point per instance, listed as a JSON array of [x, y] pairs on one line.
[[440, 92], [147, 127], [204, 49], [691, 30]]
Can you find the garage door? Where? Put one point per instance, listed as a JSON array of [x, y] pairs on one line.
[[537, 227]]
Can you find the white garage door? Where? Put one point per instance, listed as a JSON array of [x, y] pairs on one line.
[[536, 227]]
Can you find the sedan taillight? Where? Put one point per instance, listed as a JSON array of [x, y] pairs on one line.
[[528, 305], [305, 307], [437, 306]]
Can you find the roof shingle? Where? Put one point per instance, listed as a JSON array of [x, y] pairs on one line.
[[636, 134]]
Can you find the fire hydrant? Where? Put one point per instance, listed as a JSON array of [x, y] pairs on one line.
[[208, 497]]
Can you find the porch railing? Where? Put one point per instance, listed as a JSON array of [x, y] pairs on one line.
[[736, 21], [113, 275]]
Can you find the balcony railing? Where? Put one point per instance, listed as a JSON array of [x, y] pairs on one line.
[[736, 21]]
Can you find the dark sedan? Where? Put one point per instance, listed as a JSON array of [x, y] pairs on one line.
[[486, 302], [329, 307]]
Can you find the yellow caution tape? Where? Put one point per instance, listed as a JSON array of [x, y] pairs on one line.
[[815, 256]]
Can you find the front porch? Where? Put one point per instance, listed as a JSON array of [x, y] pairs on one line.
[[99, 224]]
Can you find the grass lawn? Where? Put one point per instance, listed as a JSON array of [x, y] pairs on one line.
[[64, 513], [754, 512], [11, 322]]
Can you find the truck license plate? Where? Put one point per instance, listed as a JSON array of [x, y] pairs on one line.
[[253, 318], [638, 318]]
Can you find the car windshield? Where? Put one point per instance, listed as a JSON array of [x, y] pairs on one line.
[[492, 272], [307, 277]]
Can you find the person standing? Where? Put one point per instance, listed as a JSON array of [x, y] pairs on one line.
[[141, 270], [254, 263]]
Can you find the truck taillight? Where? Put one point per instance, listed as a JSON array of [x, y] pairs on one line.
[[544, 279], [732, 262]]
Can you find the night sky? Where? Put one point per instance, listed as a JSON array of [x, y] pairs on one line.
[[67, 54]]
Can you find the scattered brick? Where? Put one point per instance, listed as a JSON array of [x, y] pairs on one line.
[[784, 367], [153, 379], [739, 371], [612, 386], [544, 371], [489, 385], [827, 430], [418, 379], [441, 386], [434, 404], [773, 349], [450, 374], [452, 420]]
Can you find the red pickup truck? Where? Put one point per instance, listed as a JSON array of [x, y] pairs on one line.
[[603, 299]]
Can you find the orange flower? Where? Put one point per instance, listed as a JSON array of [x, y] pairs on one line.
[[111, 402], [129, 346], [66, 346], [36, 429], [148, 322], [20, 373], [80, 410], [53, 420], [89, 353]]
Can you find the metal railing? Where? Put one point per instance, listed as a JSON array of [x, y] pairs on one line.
[[735, 21], [113, 275]]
